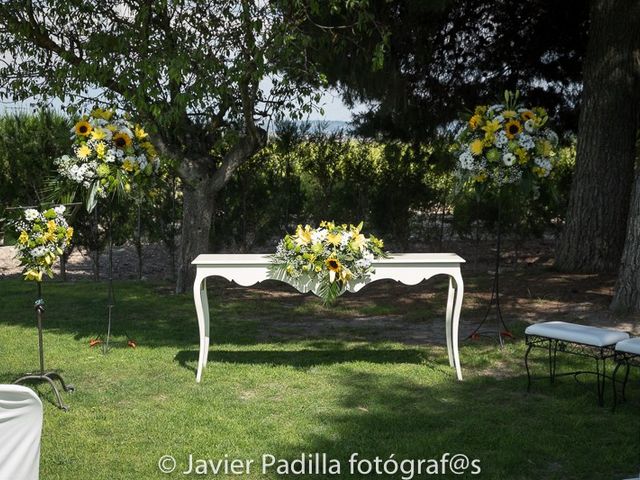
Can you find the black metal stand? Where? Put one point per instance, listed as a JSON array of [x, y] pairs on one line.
[[43, 376], [111, 299], [502, 329]]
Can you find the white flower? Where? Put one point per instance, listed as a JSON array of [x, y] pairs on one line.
[[30, 214], [529, 126], [466, 160], [526, 142], [551, 136], [317, 236], [38, 252], [501, 139], [60, 209], [496, 108], [508, 159], [499, 118]]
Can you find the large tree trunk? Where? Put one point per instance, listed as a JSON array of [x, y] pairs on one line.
[[594, 234], [197, 212], [627, 292]]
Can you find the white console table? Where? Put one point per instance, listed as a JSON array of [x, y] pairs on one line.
[[407, 268]]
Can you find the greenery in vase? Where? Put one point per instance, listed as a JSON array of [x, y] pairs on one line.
[[331, 254], [43, 237]]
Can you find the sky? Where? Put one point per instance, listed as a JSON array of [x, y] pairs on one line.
[[334, 108]]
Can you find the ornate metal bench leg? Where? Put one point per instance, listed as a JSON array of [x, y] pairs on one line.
[[555, 356], [600, 377], [624, 384], [526, 365], [614, 377]]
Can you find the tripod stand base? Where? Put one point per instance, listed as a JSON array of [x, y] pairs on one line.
[[49, 377]]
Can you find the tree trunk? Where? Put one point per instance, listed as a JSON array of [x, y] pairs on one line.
[[627, 292], [594, 233], [197, 213]]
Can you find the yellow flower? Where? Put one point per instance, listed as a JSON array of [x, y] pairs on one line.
[[100, 113], [24, 238], [527, 115], [127, 165], [521, 153], [303, 235], [334, 238], [122, 140], [150, 149], [98, 134], [69, 233], [513, 128], [333, 264], [49, 237], [140, 133], [358, 242], [509, 114], [84, 151], [83, 128], [33, 275], [476, 147], [112, 128], [51, 226], [480, 110], [101, 149], [481, 177], [491, 127], [475, 121]]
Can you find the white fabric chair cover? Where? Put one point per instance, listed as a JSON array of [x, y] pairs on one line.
[[20, 430]]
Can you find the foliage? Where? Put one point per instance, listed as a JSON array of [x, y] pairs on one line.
[[331, 255], [29, 143], [43, 237], [445, 56]]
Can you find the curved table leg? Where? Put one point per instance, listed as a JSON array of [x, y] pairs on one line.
[[202, 311], [448, 326], [457, 307]]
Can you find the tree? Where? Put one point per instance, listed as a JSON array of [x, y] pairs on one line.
[[448, 55], [627, 291], [594, 233], [193, 71]]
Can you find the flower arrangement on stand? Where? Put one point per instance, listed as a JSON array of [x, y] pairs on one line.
[[331, 255], [110, 154], [508, 146], [505, 143], [43, 238], [111, 157]]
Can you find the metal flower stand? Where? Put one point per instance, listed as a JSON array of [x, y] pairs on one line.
[[42, 375], [502, 329]]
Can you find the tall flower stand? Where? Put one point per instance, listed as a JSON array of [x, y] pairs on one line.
[[42, 375], [111, 300], [501, 328]]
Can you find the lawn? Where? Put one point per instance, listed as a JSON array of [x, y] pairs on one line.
[[288, 377]]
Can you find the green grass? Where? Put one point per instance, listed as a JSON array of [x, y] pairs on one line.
[[294, 395]]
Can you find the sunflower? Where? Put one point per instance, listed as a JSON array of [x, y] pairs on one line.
[[333, 264], [527, 115], [122, 140], [474, 121], [513, 128], [83, 128]]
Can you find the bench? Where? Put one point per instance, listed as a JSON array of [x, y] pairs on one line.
[[581, 340], [628, 354]]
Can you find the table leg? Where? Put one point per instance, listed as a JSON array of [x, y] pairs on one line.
[[449, 315], [457, 307], [202, 310]]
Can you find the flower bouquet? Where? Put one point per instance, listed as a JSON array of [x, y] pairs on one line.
[[109, 154], [505, 143], [43, 237], [331, 255]]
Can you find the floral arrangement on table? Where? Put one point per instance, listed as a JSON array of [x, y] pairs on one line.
[[109, 153], [506, 143], [330, 255], [43, 237]]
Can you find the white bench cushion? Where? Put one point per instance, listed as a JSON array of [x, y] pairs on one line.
[[631, 345], [572, 332]]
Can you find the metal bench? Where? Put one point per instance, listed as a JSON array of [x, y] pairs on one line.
[[627, 353], [581, 340]]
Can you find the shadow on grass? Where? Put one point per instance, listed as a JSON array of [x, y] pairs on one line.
[[306, 358], [557, 432]]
